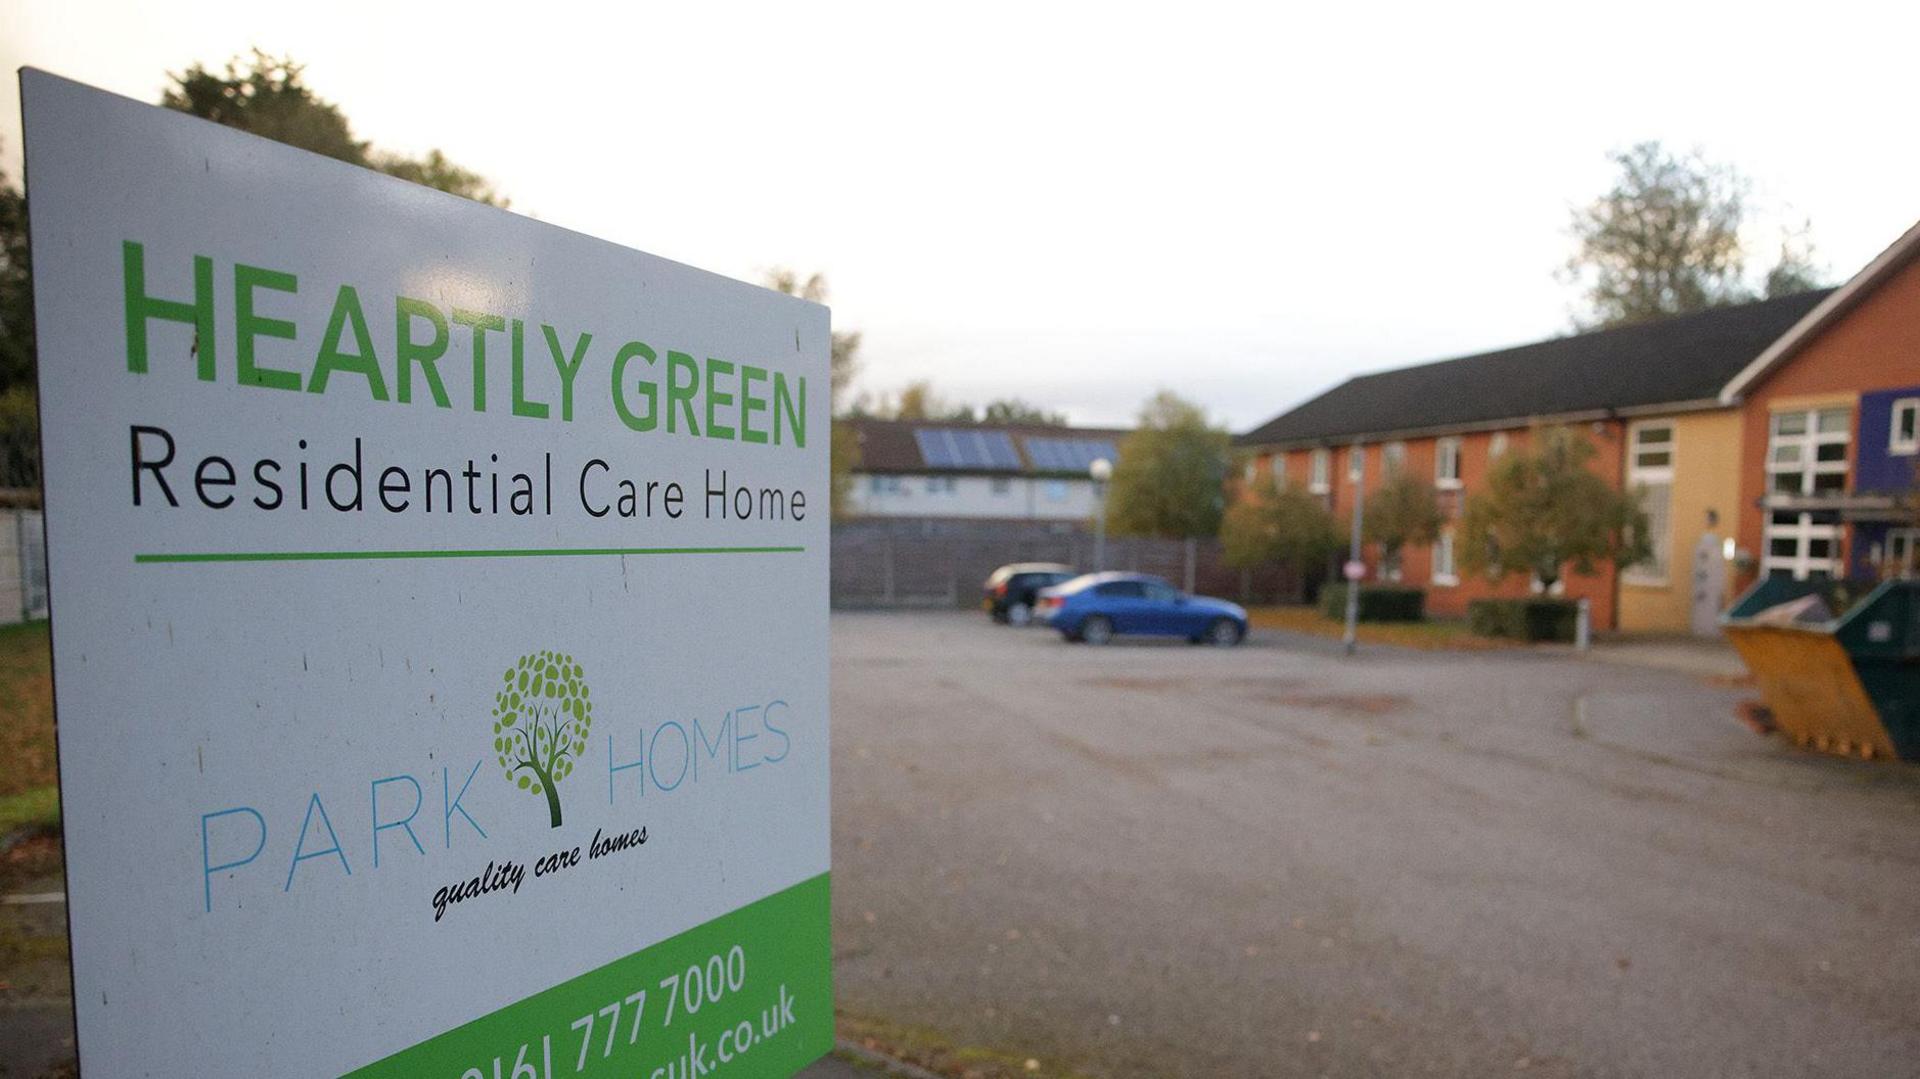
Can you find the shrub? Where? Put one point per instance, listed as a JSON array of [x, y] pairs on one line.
[[1378, 602], [1534, 619]]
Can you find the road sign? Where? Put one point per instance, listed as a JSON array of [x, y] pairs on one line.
[[440, 629], [1354, 570]]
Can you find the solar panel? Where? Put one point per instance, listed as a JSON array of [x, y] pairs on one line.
[[989, 450], [999, 450], [934, 448]]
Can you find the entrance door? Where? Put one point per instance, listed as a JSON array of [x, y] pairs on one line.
[[1709, 585]]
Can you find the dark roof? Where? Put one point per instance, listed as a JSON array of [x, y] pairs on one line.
[[1683, 359], [892, 446]]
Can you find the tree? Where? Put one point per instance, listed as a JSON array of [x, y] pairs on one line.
[[268, 96], [1665, 240], [435, 171], [843, 360], [1169, 476], [16, 291], [1290, 528], [1012, 411], [844, 348], [1543, 509], [917, 401], [1796, 270], [1404, 510], [541, 717]]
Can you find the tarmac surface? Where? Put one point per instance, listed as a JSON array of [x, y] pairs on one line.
[[1161, 860]]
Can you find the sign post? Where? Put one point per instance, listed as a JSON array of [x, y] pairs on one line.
[[440, 617]]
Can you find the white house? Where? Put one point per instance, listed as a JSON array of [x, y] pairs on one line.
[[911, 468]]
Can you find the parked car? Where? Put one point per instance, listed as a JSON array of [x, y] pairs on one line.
[[1012, 589], [1099, 606]]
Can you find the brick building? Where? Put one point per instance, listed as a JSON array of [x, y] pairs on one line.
[[1830, 417], [1648, 397]]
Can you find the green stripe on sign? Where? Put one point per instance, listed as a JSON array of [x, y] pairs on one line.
[[748, 994]]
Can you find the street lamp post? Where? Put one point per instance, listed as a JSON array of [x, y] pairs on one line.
[[1353, 571], [1100, 471]]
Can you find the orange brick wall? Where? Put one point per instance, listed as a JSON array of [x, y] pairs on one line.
[[1872, 347], [1450, 601]]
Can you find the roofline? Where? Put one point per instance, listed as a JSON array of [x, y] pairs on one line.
[[1025, 430], [978, 473], [1829, 310], [1508, 423]]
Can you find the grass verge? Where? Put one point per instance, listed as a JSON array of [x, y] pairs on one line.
[[937, 1053], [1431, 635], [26, 710], [37, 810]]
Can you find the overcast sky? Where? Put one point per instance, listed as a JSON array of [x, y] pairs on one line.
[[1082, 205]]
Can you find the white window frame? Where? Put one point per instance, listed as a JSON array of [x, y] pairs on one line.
[[1804, 459], [1446, 452], [1446, 571], [1393, 458], [1278, 467], [1646, 471], [1801, 453], [1497, 446], [943, 486], [1904, 447], [1320, 471], [885, 485], [1903, 552], [1803, 532], [1357, 464]]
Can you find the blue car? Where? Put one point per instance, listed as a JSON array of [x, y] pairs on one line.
[[1097, 607]]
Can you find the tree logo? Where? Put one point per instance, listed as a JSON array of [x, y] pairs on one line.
[[541, 716]]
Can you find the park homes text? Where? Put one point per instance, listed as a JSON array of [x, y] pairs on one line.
[[445, 359], [279, 842]]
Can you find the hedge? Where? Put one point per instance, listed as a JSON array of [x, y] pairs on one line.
[[1533, 619], [1378, 603]]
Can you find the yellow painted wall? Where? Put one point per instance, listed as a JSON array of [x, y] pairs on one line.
[[1706, 476]]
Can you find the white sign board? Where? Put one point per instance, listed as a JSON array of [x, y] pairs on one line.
[[440, 624]]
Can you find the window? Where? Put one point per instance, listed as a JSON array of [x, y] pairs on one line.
[[1807, 452], [1906, 426], [1279, 471], [1160, 591], [1446, 465], [942, 485], [1356, 463], [883, 485], [1806, 458], [1903, 552], [1444, 571], [1390, 566], [1251, 471], [1318, 478], [1056, 490], [1650, 472], [1121, 590], [1497, 445], [1002, 486], [1802, 545], [1393, 456]]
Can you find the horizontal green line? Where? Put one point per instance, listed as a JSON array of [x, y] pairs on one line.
[[490, 552]]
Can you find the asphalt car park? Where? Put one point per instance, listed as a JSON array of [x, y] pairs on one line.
[[1150, 859]]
